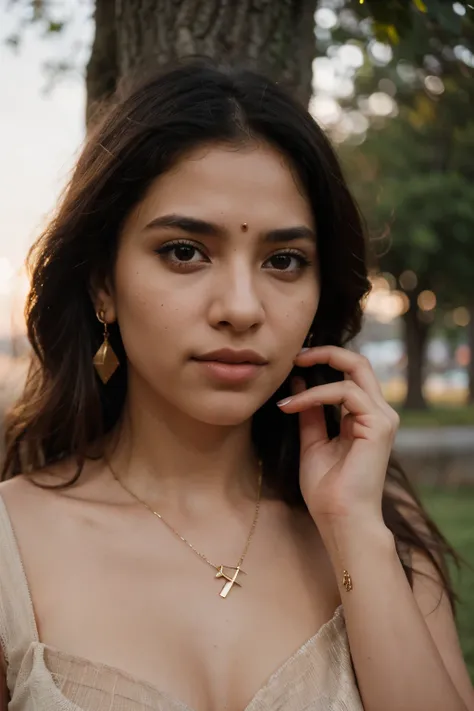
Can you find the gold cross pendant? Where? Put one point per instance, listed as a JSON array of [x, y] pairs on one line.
[[231, 579]]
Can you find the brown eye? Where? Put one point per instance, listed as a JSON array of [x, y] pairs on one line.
[[288, 262], [180, 253], [281, 261], [184, 252]]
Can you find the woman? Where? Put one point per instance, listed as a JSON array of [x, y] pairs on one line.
[[206, 235]]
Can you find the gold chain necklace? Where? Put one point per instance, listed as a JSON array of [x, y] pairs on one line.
[[230, 578]]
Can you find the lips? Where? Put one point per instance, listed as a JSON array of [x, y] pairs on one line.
[[227, 355]]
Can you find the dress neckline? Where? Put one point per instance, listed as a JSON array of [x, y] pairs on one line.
[[334, 622]]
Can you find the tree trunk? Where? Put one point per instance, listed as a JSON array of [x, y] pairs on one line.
[[470, 341], [416, 337], [102, 68], [275, 36]]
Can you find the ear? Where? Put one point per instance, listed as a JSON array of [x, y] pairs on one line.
[[103, 298]]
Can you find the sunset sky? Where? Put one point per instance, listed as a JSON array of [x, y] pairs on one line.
[[39, 137]]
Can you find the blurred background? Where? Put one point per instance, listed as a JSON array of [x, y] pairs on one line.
[[390, 81]]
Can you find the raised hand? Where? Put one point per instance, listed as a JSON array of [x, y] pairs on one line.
[[343, 477]]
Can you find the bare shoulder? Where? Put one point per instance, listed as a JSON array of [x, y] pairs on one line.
[[61, 480], [17, 493], [17, 487], [25, 489], [48, 500]]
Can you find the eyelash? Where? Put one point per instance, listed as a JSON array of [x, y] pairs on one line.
[[170, 246]]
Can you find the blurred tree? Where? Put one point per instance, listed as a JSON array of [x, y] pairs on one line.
[[413, 176], [470, 332]]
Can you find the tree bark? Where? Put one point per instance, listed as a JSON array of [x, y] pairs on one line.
[[102, 68], [416, 337], [276, 36], [470, 341]]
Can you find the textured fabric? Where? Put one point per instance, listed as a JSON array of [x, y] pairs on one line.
[[317, 677]]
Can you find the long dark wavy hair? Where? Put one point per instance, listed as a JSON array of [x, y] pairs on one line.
[[65, 409]]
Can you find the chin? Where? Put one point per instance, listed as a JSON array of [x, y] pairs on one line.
[[228, 409]]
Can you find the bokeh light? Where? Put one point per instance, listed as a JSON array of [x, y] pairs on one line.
[[408, 280], [325, 18], [379, 52], [463, 355], [434, 85], [461, 316], [351, 55], [403, 301], [406, 72], [380, 104], [427, 300], [459, 9], [464, 55], [325, 110]]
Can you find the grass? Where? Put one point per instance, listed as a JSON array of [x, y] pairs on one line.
[[453, 511], [438, 416]]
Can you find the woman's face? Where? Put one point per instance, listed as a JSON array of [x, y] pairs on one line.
[[211, 259]]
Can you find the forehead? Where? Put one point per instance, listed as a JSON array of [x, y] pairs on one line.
[[218, 182]]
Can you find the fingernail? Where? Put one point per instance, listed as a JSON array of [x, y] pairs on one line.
[[285, 401], [304, 349]]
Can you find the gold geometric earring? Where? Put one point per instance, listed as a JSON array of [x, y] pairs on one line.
[[105, 361]]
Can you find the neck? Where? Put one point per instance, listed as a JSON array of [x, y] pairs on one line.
[[167, 458]]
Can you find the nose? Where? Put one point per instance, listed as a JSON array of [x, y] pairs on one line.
[[236, 302]]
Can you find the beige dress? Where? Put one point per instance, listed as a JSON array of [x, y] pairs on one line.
[[317, 677]]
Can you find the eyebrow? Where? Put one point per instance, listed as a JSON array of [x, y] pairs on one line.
[[195, 226]]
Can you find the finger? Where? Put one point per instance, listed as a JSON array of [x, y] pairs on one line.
[[313, 428], [344, 410], [347, 426], [355, 365], [345, 393]]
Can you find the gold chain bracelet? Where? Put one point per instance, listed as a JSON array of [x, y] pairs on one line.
[[347, 580]]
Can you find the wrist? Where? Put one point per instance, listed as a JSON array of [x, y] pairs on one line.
[[349, 528], [352, 521], [347, 540]]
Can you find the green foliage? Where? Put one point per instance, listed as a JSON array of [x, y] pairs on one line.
[[453, 511], [57, 22], [438, 416], [426, 214], [49, 17], [54, 27], [411, 27], [413, 173], [404, 15], [432, 216]]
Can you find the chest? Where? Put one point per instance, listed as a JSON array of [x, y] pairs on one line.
[[142, 601]]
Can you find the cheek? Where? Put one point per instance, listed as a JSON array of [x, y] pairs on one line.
[[149, 313], [295, 316]]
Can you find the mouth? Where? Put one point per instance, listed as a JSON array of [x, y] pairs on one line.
[[232, 366], [232, 357]]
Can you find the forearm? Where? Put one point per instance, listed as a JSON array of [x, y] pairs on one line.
[[397, 664]]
